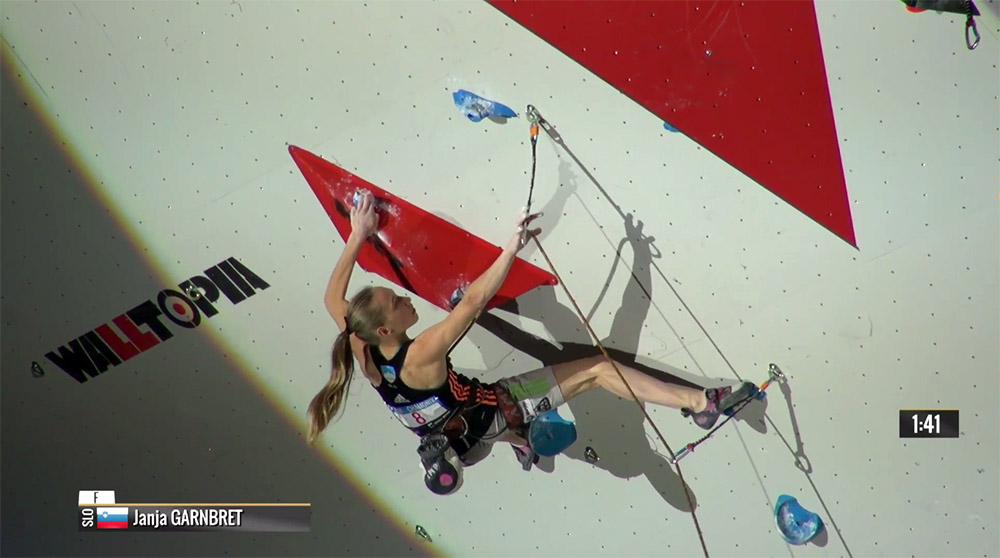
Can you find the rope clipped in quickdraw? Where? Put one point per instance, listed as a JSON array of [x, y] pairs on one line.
[[535, 118], [459, 293], [456, 297]]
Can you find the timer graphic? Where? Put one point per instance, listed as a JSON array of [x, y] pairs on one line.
[[928, 423]]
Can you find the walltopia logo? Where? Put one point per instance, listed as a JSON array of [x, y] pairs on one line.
[[97, 350]]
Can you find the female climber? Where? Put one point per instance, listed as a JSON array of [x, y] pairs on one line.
[[415, 378]]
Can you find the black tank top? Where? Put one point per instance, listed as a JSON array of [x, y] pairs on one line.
[[424, 410]]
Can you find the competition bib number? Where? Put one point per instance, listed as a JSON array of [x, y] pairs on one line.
[[419, 414]]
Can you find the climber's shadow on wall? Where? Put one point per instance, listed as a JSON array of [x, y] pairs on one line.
[[612, 426], [799, 452]]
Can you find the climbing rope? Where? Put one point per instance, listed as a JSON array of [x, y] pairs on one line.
[[774, 374], [579, 312], [536, 119]]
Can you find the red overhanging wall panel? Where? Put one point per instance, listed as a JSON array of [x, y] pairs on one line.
[[746, 80]]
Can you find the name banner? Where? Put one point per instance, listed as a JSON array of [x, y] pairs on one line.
[[252, 518]]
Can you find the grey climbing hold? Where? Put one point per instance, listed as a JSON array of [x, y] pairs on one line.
[[193, 292], [456, 296]]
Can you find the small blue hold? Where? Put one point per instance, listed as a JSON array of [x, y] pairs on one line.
[[796, 524], [456, 296], [476, 108], [669, 128], [549, 434]]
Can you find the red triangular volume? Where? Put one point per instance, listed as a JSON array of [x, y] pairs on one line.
[[414, 249], [746, 80]]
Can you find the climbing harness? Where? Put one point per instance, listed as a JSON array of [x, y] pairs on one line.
[[441, 463], [774, 373]]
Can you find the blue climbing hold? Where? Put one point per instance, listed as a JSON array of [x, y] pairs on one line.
[[550, 434], [476, 108], [796, 524], [669, 128]]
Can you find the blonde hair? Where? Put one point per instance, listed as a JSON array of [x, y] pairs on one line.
[[364, 316]]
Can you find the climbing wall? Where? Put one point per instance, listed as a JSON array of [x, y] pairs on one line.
[[145, 153], [726, 76]]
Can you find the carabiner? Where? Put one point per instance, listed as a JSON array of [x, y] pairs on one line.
[[971, 23], [531, 113]]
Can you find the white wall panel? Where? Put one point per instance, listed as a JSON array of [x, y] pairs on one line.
[[174, 119]]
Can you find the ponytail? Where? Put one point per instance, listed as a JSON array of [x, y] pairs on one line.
[[328, 401]]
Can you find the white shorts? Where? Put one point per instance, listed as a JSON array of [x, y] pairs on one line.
[[536, 392]]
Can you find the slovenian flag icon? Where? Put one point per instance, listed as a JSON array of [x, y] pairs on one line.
[[112, 518]]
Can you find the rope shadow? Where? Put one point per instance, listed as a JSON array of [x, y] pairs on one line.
[[803, 464], [622, 446], [557, 138], [754, 415]]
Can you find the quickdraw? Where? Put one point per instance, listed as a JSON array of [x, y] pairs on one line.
[[774, 373], [534, 118], [967, 8], [970, 23]]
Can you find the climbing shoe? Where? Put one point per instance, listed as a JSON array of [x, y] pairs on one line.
[[525, 456], [722, 400]]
